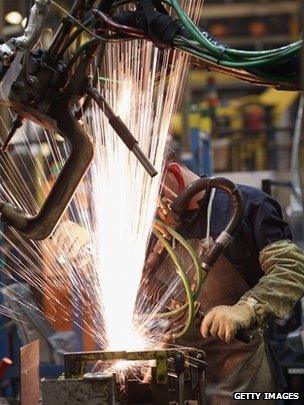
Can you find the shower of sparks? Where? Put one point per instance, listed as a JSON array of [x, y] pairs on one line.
[[115, 203], [144, 90], [123, 192]]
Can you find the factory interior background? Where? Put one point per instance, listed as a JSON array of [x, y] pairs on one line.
[[224, 127]]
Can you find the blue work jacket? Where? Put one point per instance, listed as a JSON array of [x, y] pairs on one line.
[[261, 225]]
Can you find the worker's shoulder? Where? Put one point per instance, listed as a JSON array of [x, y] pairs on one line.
[[249, 193], [254, 194], [254, 198]]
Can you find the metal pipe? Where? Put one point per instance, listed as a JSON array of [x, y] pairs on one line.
[[35, 25], [121, 129], [41, 226], [64, 31], [61, 114], [295, 166]]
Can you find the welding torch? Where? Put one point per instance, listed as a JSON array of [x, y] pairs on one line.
[[121, 129], [179, 206]]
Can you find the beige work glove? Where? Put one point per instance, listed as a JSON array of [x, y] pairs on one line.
[[224, 321], [274, 295], [70, 240]]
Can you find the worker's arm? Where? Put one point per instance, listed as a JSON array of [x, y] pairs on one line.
[[283, 283], [274, 295], [276, 292]]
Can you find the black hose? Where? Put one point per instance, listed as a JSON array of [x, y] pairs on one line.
[[106, 5], [180, 206]]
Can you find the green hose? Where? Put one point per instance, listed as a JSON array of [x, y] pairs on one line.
[[158, 227], [198, 268], [219, 51], [256, 63], [181, 272]]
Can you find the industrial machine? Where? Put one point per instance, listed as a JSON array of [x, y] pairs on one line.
[[54, 89], [48, 87], [176, 376], [159, 377]]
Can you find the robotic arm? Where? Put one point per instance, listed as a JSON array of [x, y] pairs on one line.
[[37, 85]]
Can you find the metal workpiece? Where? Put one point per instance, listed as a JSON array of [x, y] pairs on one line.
[[75, 363], [90, 391], [176, 376], [29, 374]]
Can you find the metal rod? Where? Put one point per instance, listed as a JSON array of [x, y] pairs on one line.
[[64, 31], [41, 226], [122, 130], [295, 166], [179, 361]]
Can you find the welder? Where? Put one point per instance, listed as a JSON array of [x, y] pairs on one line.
[[260, 275]]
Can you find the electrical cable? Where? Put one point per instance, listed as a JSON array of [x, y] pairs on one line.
[[276, 67]]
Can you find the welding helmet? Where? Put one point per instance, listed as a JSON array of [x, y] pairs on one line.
[[176, 178]]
